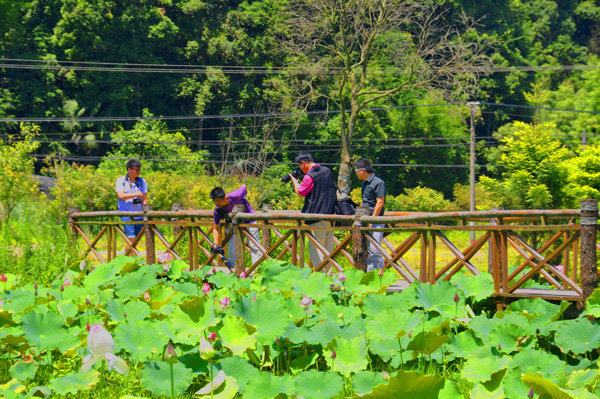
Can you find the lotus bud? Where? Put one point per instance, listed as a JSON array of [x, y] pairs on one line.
[[173, 287], [206, 350], [206, 288], [243, 274], [125, 314], [499, 347], [277, 339], [102, 346], [224, 302], [62, 288], [380, 273], [386, 376], [339, 301], [456, 298], [3, 278], [35, 286], [306, 301], [333, 354], [87, 301], [147, 297], [284, 353], [35, 292], [340, 315], [341, 277], [213, 270], [410, 334], [197, 279], [212, 337], [170, 355], [87, 326], [254, 298], [67, 282], [530, 393]]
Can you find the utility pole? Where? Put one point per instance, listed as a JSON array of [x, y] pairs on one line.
[[473, 106]]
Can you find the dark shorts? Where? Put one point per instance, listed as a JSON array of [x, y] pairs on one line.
[[131, 230]]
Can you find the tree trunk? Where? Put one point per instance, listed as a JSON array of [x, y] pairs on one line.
[[346, 163]]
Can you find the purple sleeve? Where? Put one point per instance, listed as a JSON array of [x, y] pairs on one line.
[[216, 217], [239, 193]]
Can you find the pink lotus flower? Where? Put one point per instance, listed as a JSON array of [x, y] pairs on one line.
[[3, 278], [243, 274], [341, 276], [87, 327], [224, 302], [206, 350], [456, 298], [67, 282], [164, 257], [306, 301], [380, 273], [102, 346], [254, 298], [147, 297], [212, 337], [333, 354], [206, 288], [386, 376]]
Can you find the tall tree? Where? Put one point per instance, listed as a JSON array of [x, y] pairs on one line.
[[361, 51]]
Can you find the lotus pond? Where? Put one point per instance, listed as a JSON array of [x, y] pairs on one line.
[[125, 330]]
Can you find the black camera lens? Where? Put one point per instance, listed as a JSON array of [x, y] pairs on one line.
[[137, 201], [297, 173]]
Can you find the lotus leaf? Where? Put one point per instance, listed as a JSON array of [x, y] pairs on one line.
[[408, 384], [542, 386], [329, 310], [582, 378], [187, 288], [507, 336], [177, 267], [226, 390], [71, 292], [140, 340], [135, 310], [364, 381], [303, 362], [481, 392], [104, 273], [482, 327], [375, 303], [578, 337], [74, 383], [23, 371], [237, 335], [11, 280], [316, 285], [223, 280], [371, 282], [463, 344], [192, 317], [388, 348], [391, 323], [266, 385], [47, 331], [327, 330], [192, 361], [20, 303], [480, 287], [351, 355], [427, 342], [239, 369], [592, 304], [156, 377], [12, 389], [160, 295], [531, 361], [39, 392], [438, 298], [314, 385], [269, 317], [134, 284], [479, 369]]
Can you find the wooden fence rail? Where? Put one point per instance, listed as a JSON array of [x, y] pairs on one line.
[[566, 258]]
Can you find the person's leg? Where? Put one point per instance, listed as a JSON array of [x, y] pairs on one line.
[[128, 228], [374, 257], [255, 253], [328, 243], [325, 238], [231, 254]]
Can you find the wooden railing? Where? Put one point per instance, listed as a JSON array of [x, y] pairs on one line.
[[512, 260]]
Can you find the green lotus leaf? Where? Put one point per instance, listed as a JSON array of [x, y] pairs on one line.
[[227, 390], [371, 282], [531, 361], [23, 371], [11, 280], [581, 378], [268, 317], [104, 273], [12, 336], [481, 392], [388, 348], [507, 336], [302, 334], [134, 309], [47, 331], [316, 285], [134, 284], [266, 385], [6, 320], [482, 326], [12, 389], [239, 369], [351, 355], [315, 385], [194, 362], [160, 296], [74, 383], [156, 378], [353, 277], [375, 303], [221, 280], [463, 344], [293, 308], [408, 384], [72, 292], [391, 323], [19, 300], [477, 369], [479, 287], [140, 340], [39, 392], [439, 298], [303, 362], [588, 336], [327, 330], [364, 381], [542, 386], [237, 335], [187, 288], [329, 310], [177, 267], [192, 317], [427, 342], [592, 304]]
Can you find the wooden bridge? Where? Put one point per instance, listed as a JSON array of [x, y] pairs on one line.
[[554, 246]]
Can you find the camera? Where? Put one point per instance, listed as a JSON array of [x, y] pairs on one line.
[[217, 249], [297, 173], [137, 201]]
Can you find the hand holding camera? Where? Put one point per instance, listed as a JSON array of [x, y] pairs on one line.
[[138, 200], [217, 249], [296, 174]]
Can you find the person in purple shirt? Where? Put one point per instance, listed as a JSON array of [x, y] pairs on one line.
[[224, 204]]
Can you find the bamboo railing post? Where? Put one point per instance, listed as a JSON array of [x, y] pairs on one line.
[[176, 207], [492, 241], [266, 233], [150, 251], [70, 211], [238, 237], [360, 249], [589, 270]]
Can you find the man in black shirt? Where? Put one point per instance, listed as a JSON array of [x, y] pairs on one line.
[[373, 196], [319, 191]]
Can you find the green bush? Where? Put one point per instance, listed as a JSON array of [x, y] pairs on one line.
[[420, 199]]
